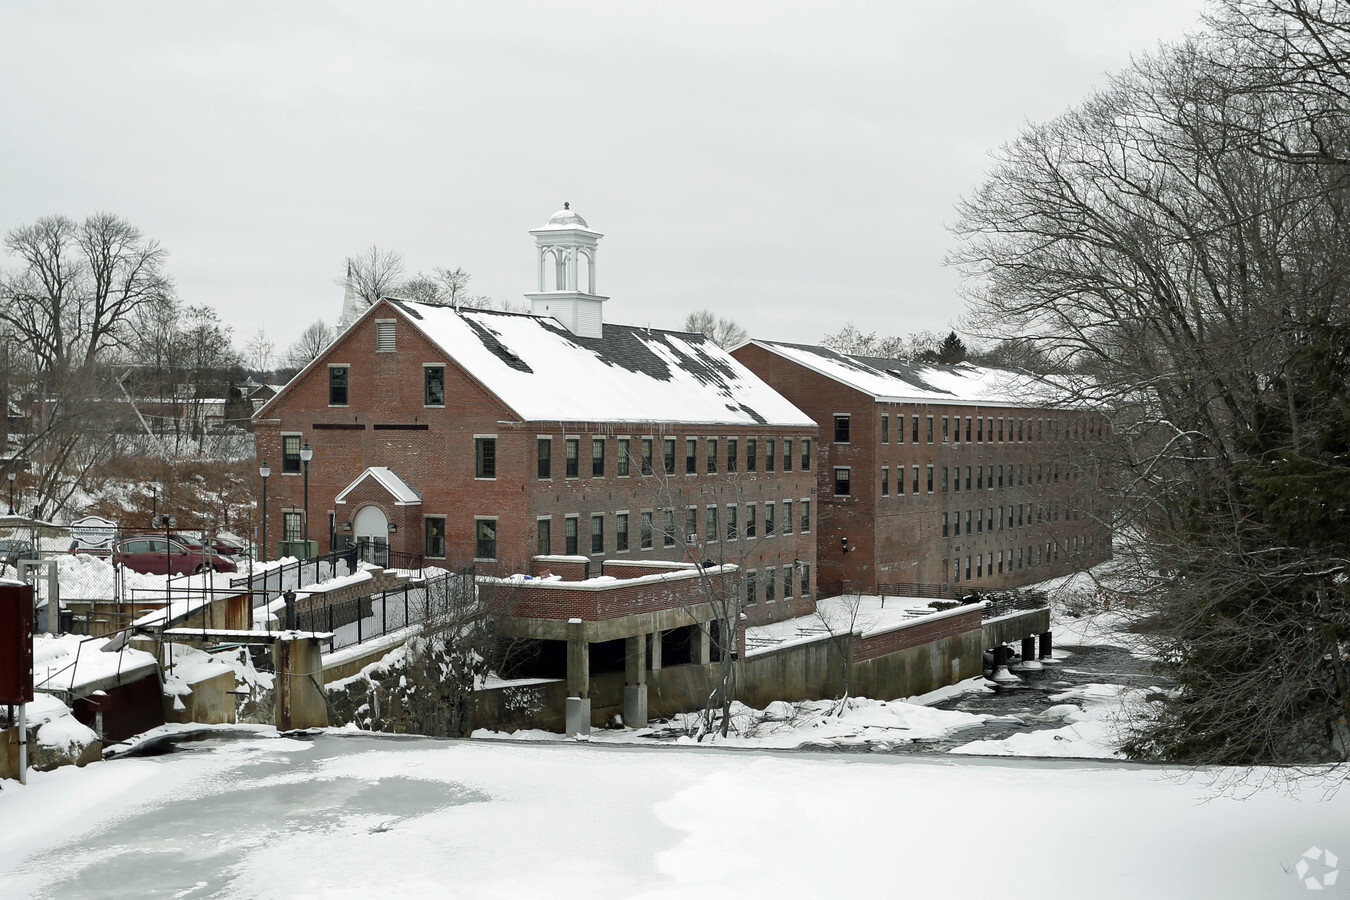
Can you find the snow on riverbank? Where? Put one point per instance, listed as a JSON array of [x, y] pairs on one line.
[[359, 816]]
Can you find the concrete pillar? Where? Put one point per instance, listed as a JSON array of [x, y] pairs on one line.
[[578, 669], [1001, 675], [578, 715], [300, 700], [656, 651], [700, 647], [1029, 661], [1047, 650], [635, 681]]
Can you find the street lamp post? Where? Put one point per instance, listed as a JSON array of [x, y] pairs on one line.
[[306, 454], [264, 470], [12, 475], [154, 502]]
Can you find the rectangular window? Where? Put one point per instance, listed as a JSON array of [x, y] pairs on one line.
[[916, 429], [290, 455], [1000, 440], [770, 580], [946, 525], [930, 479], [597, 457], [787, 582], [668, 530], [968, 522], [485, 539], [543, 536], [691, 456], [806, 579], [292, 524], [384, 335], [711, 459], [944, 428], [990, 518], [570, 535], [710, 525], [433, 385], [485, 460], [930, 429], [646, 456], [545, 454], [751, 454], [691, 526], [668, 456], [433, 530], [768, 518], [885, 428], [645, 529], [841, 481], [916, 479], [806, 454], [979, 521], [967, 441], [621, 531], [732, 525], [732, 461], [956, 523], [967, 568], [806, 516], [787, 454], [885, 481], [1021, 433], [979, 478], [787, 517], [337, 385], [946, 478], [571, 452], [979, 565], [622, 464], [770, 454], [597, 533], [979, 429], [841, 428], [751, 594], [751, 526]]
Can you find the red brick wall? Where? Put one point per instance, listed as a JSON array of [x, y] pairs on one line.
[[898, 538], [922, 631], [387, 388], [616, 599]]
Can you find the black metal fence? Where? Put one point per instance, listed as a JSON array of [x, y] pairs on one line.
[[1004, 603], [356, 620], [291, 576], [915, 589]]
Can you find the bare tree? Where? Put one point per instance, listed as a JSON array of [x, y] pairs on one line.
[[312, 341], [258, 353], [852, 341], [372, 274], [722, 331]]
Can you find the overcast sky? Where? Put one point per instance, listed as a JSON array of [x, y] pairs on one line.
[[791, 165]]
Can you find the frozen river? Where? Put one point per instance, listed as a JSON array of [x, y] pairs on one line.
[[333, 815]]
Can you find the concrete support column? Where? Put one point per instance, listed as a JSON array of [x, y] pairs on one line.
[[1047, 649], [1001, 675], [656, 651], [635, 681], [700, 646], [1029, 661], [300, 701], [578, 712]]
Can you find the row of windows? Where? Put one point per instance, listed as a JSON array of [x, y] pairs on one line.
[[978, 429], [719, 523], [766, 584], [1016, 516], [977, 478], [433, 382], [1010, 559], [717, 454]]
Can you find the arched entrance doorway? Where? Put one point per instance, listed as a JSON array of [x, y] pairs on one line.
[[371, 528]]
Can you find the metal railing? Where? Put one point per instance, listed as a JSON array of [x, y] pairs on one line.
[[272, 582], [377, 553], [359, 619], [1007, 604], [916, 589]]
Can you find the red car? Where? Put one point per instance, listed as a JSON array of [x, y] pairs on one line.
[[152, 555]]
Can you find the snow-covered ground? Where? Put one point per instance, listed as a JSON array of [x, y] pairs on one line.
[[360, 816]]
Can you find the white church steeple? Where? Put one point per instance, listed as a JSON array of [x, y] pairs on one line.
[[566, 248]]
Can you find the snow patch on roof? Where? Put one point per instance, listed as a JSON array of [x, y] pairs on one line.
[[545, 373]]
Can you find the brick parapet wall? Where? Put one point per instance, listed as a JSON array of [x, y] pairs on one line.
[[921, 631], [610, 599]]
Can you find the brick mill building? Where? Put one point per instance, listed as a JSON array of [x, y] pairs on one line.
[[550, 441], [935, 478]]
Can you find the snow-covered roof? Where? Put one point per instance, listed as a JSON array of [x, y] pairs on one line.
[[388, 479], [893, 380], [546, 373]]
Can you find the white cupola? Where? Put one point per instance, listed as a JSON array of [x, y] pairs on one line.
[[570, 245]]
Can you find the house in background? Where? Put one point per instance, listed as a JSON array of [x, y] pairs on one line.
[[936, 479]]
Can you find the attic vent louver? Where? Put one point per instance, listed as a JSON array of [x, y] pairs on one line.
[[384, 335]]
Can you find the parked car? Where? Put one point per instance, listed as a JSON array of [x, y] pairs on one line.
[[220, 546], [154, 555], [11, 551]]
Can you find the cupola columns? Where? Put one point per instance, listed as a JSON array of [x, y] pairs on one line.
[[567, 239]]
